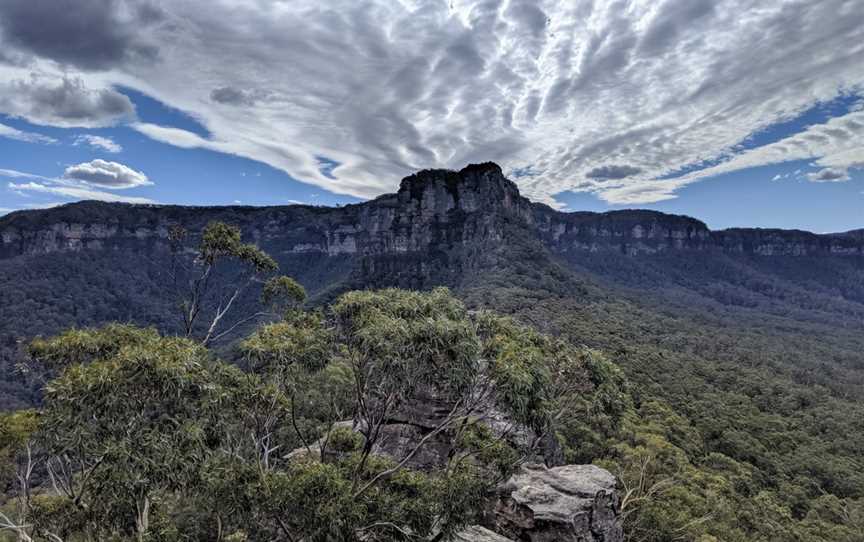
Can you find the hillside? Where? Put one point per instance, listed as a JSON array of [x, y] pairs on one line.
[[743, 348]]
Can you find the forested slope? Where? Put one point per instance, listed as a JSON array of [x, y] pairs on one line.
[[741, 418]]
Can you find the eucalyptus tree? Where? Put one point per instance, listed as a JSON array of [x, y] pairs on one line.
[[125, 424], [147, 437], [222, 268]]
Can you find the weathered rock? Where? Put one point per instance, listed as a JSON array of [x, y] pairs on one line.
[[416, 418], [575, 503], [476, 533], [433, 211]]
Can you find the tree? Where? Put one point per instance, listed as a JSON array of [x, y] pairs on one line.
[[147, 437], [18, 460], [222, 269], [122, 426]]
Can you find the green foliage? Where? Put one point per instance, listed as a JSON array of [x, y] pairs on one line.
[[220, 240], [282, 293], [77, 346], [16, 430], [745, 419], [301, 341], [403, 340], [345, 440], [493, 453], [150, 437]]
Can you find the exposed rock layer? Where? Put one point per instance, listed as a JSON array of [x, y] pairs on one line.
[[575, 503], [433, 209]]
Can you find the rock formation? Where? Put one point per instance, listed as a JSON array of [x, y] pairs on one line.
[[575, 503], [476, 533], [433, 210]]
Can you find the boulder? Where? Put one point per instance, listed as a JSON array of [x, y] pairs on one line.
[[575, 503]]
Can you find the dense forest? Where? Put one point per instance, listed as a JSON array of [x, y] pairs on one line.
[[730, 407], [144, 436]]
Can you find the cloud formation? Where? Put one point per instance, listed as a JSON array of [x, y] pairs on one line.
[[98, 142], [63, 101], [20, 135], [828, 175], [75, 192], [613, 172], [615, 98], [106, 174], [89, 180], [86, 34]]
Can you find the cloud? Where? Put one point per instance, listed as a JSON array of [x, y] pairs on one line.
[[234, 96], [76, 192], [82, 181], [98, 142], [87, 34], [566, 88], [613, 172], [64, 101], [834, 145], [106, 174], [29, 137], [229, 95], [174, 136], [829, 175]]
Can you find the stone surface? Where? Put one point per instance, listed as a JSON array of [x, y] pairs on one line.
[[434, 210], [476, 533], [575, 503]]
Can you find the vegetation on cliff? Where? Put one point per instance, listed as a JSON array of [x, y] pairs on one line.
[[733, 410], [144, 436]]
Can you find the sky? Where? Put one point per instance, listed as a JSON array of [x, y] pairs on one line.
[[736, 112]]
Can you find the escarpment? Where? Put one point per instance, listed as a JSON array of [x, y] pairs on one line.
[[433, 211]]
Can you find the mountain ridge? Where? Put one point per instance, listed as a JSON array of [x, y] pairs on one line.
[[426, 199]]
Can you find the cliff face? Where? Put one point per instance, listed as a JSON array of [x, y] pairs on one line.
[[433, 211]]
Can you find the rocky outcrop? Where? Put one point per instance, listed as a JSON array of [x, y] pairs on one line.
[[539, 503], [575, 503], [415, 419], [434, 211]]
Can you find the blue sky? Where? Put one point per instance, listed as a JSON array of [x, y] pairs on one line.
[[736, 116], [179, 175]]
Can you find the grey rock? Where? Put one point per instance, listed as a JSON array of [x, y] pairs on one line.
[[476, 533], [575, 503], [434, 210]]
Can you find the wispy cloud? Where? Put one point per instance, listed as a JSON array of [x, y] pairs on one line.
[[75, 192], [29, 137], [83, 181], [98, 142]]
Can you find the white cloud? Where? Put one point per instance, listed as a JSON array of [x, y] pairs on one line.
[[29, 137], [98, 142], [85, 181], [835, 145], [565, 87], [106, 174], [75, 192]]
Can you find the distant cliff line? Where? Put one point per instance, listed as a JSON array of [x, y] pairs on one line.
[[431, 207]]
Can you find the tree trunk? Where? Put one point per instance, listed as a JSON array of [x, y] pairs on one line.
[[142, 521]]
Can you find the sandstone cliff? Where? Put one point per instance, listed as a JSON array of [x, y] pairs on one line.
[[433, 210]]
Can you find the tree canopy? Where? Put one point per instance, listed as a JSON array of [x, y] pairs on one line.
[[149, 437]]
